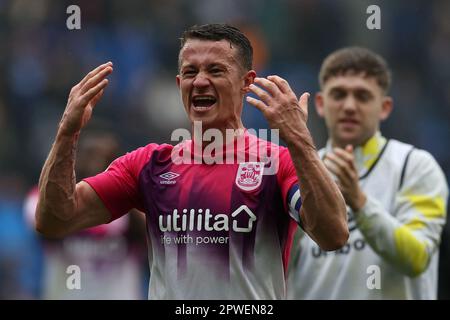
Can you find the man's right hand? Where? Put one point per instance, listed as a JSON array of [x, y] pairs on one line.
[[82, 99], [65, 207]]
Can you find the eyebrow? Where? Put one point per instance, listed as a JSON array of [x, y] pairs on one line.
[[217, 64], [209, 66], [344, 88]]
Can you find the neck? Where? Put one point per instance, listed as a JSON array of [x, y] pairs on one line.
[[339, 144], [207, 134], [336, 143]]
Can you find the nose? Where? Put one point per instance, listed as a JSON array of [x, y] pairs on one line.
[[349, 104], [201, 81]]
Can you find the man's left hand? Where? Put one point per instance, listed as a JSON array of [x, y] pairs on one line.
[[280, 106]]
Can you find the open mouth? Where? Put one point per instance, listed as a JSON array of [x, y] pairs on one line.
[[203, 103]]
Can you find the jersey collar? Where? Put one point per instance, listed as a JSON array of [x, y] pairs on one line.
[[367, 155]]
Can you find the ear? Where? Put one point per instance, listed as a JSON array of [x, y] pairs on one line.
[[249, 78], [178, 81], [386, 107], [319, 104]]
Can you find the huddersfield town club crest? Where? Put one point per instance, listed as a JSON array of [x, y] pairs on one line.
[[249, 175]]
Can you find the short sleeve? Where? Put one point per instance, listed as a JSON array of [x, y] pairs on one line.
[[118, 185]]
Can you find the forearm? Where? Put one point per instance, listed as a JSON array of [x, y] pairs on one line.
[[323, 211], [57, 182], [395, 242], [59, 203]]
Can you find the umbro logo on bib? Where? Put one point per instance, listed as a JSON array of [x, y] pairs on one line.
[[168, 177]]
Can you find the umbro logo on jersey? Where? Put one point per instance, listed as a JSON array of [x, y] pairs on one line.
[[168, 177]]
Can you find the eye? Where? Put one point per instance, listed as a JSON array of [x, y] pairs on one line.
[[216, 71], [338, 94], [188, 73], [363, 96]]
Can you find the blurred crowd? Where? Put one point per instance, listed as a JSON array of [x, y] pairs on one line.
[[40, 60]]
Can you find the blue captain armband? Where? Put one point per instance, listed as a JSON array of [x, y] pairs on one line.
[[294, 201]]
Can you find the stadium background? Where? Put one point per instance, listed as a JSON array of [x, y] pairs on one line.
[[40, 60]]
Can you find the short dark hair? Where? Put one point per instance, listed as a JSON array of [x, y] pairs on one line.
[[357, 60], [217, 32]]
